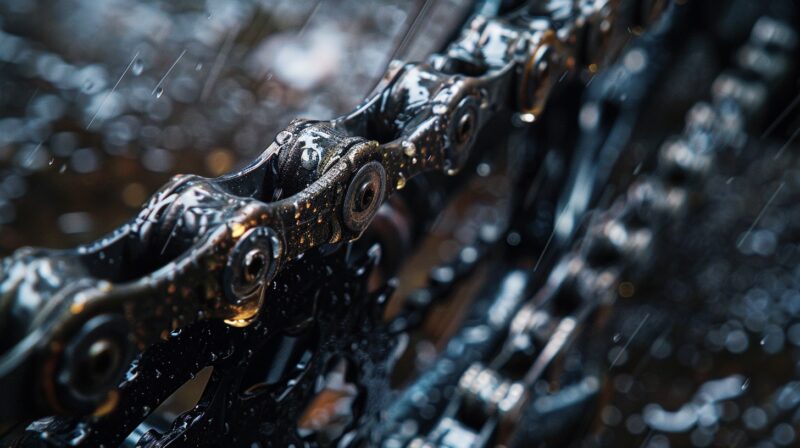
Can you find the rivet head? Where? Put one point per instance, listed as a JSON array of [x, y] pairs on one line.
[[466, 124], [254, 265], [364, 196], [251, 265], [93, 362]]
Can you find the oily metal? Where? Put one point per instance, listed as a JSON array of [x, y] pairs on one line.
[[267, 274]]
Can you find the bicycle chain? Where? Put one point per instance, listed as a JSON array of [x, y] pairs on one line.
[[233, 257]]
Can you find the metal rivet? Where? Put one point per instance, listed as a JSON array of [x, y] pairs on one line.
[[466, 124], [94, 361], [251, 265], [254, 266], [364, 196]]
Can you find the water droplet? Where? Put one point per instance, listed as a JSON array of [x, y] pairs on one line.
[[131, 374], [159, 91], [198, 67], [401, 182], [283, 137], [309, 159], [137, 67], [589, 116], [409, 148], [526, 118], [635, 61]]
